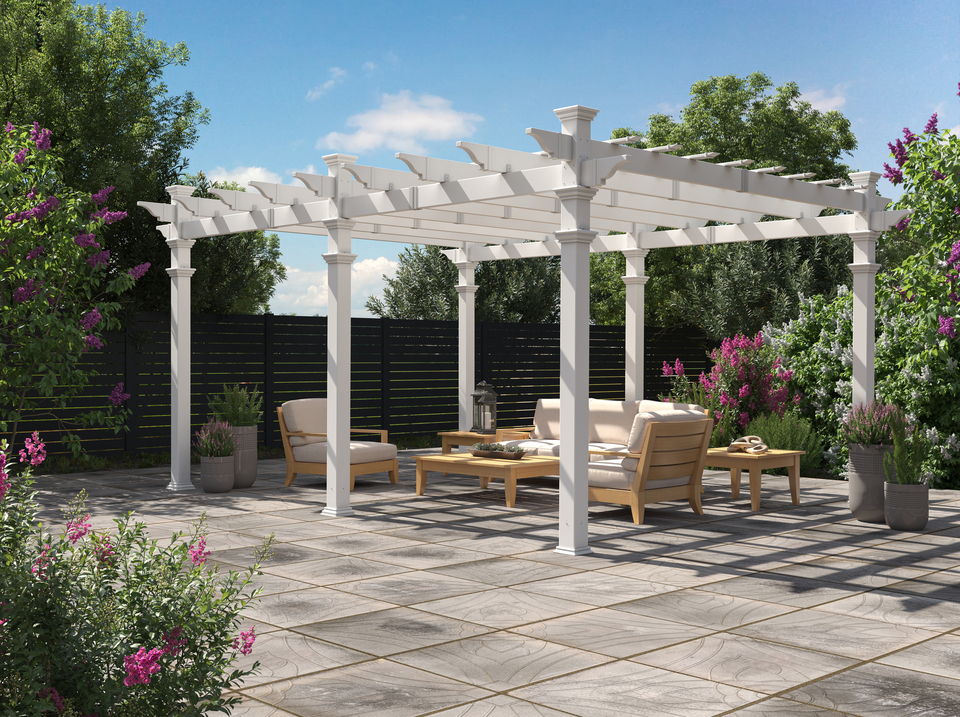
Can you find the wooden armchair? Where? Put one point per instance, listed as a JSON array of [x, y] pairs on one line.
[[303, 430], [668, 465]]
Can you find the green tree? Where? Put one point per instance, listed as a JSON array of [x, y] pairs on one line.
[[424, 287], [236, 273], [54, 286], [95, 79], [736, 288]]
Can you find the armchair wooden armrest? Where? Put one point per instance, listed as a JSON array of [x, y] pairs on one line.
[[618, 454], [304, 433], [380, 432], [517, 432]]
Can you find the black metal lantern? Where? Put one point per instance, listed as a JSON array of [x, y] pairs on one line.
[[484, 409]]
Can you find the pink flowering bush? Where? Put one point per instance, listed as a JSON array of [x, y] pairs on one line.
[[110, 623], [57, 297]]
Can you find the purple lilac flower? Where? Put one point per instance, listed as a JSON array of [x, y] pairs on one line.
[[141, 665], [38, 212], [908, 136], [947, 327], [902, 224], [931, 127], [244, 643], [34, 253], [894, 175], [117, 396], [199, 552], [954, 255], [175, 642], [108, 216], [101, 196], [139, 270], [10, 127], [92, 342], [956, 210], [899, 152], [54, 696], [938, 176], [34, 451], [20, 156], [77, 529], [85, 240], [90, 319], [30, 289], [40, 136], [101, 258], [32, 194]]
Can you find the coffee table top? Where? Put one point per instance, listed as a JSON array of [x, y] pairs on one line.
[[500, 462]]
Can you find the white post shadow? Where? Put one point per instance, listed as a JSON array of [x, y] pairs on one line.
[[466, 320], [635, 281]]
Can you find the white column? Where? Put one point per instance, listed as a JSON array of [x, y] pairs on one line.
[[864, 268], [574, 237], [634, 323], [180, 273], [466, 318], [339, 261]]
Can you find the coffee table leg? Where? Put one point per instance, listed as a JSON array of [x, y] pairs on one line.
[[484, 481], [445, 449], [510, 488], [794, 472], [735, 482], [421, 479], [755, 487]]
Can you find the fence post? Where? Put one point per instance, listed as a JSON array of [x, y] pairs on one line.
[[483, 346], [269, 413], [130, 384], [385, 423]]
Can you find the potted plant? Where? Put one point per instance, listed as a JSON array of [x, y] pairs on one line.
[[869, 431], [906, 492], [215, 444], [241, 409]]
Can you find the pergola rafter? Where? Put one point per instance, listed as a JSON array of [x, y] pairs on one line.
[[573, 197]]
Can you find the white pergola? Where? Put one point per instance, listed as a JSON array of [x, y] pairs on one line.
[[506, 204]]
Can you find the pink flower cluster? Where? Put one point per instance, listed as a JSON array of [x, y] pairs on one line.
[[141, 665], [175, 642], [77, 529], [199, 552], [42, 563], [244, 643], [4, 476], [33, 450], [675, 370], [117, 396], [103, 548]]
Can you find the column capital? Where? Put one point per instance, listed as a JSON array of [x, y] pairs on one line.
[[461, 265], [467, 288], [864, 268], [574, 236], [642, 253], [862, 180], [339, 160], [340, 224], [178, 272], [864, 236], [180, 190], [576, 192], [339, 258], [175, 244], [576, 112], [629, 280]]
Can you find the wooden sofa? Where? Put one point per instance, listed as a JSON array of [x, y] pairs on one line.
[[303, 430]]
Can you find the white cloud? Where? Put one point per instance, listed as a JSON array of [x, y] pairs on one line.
[[955, 131], [305, 292], [243, 175], [401, 123], [369, 66], [669, 109], [821, 100], [336, 77], [309, 169]]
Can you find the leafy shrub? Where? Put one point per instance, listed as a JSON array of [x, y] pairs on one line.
[[111, 623], [790, 432], [237, 406]]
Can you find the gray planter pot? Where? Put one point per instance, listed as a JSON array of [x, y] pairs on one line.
[[866, 478], [216, 474], [907, 507], [244, 456]]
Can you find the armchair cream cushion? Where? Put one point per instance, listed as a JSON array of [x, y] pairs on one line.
[[306, 415]]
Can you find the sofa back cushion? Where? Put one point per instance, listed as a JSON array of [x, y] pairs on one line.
[[308, 415], [611, 421], [546, 419]]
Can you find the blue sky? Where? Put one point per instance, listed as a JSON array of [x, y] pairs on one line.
[[290, 81]]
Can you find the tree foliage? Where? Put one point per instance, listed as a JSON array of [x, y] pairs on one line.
[[424, 287], [735, 288], [95, 79]]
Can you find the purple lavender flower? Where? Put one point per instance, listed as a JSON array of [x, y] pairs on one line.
[[101, 258], [894, 175], [938, 176], [931, 127], [85, 240], [20, 156], [101, 196], [91, 342], [117, 396], [947, 327], [90, 319], [34, 253], [902, 224], [139, 270], [30, 289]]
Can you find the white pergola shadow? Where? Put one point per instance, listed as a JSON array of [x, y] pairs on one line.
[[508, 204]]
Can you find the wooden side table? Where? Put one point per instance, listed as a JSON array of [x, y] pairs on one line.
[[756, 464]]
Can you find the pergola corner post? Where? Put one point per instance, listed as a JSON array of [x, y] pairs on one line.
[[466, 319], [864, 268], [180, 273], [635, 281], [574, 237]]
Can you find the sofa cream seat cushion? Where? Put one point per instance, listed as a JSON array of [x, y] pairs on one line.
[[360, 451], [639, 430], [552, 448], [612, 474], [307, 415]]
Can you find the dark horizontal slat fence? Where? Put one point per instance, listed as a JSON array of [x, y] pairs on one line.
[[403, 373]]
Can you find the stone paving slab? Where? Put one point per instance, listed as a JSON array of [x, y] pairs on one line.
[[454, 605]]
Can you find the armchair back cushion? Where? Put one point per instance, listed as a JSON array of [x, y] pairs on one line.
[[307, 415]]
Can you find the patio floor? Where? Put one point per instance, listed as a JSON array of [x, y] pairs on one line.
[[452, 604]]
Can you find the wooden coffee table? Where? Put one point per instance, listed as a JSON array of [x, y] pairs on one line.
[[509, 471], [756, 464], [449, 439]]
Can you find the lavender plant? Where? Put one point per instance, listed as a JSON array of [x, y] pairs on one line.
[[215, 440]]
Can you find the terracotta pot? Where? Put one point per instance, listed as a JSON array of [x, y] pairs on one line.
[[244, 456], [216, 474], [906, 506], [866, 480]]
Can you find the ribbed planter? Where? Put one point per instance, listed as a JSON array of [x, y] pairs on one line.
[[906, 507], [216, 474], [244, 456], [866, 478]]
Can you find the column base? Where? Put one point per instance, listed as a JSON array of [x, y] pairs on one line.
[[574, 551], [180, 487], [331, 512]]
